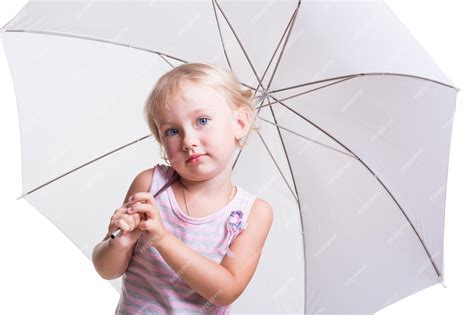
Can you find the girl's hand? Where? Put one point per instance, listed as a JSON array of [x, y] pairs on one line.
[[127, 223], [144, 204]]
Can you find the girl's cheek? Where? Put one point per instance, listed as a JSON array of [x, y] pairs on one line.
[[173, 148]]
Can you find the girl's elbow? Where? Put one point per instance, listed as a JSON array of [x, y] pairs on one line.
[[222, 302], [101, 272], [107, 276], [224, 299], [112, 277]]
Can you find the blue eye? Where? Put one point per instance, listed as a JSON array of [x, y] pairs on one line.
[[166, 132], [203, 118]]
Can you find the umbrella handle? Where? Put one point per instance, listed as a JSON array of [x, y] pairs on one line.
[[117, 231]]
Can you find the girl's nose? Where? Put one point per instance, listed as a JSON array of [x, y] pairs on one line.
[[190, 140]]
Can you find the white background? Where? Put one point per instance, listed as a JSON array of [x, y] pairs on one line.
[[43, 272]]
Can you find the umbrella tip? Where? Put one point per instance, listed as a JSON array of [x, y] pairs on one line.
[[441, 281], [22, 196]]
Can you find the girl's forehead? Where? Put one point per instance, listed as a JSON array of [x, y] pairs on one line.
[[193, 96], [193, 101], [191, 91]]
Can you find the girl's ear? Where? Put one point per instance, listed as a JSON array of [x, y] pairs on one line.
[[242, 122]]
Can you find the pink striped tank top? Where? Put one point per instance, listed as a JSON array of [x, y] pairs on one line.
[[149, 285]]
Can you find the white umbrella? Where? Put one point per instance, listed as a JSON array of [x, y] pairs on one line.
[[353, 150]]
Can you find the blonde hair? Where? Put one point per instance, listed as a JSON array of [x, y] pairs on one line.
[[167, 89]]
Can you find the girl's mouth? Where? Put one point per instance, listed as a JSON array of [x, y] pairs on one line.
[[194, 159]]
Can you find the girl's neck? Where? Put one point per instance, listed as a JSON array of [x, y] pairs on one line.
[[215, 186]]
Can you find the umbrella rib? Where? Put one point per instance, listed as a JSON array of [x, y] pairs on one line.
[[286, 153], [162, 55], [312, 90], [296, 192], [313, 82], [277, 166], [254, 119], [386, 189], [284, 45], [245, 142], [362, 74], [220, 35], [277, 47], [83, 165], [296, 198], [344, 78], [303, 136], [290, 25], [100, 40], [238, 40]]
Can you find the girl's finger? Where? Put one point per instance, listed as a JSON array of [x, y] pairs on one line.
[[129, 204], [123, 225], [140, 208], [136, 218], [143, 196], [143, 225], [120, 211], [131, 222], [143, 213]]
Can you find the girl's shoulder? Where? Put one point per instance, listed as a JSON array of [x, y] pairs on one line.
[[143, 180], [261, 211], [147, 179]]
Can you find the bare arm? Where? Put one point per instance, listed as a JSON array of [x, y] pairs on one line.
[[111, 261]]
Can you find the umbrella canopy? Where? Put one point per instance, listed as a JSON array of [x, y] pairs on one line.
[[352, 153]]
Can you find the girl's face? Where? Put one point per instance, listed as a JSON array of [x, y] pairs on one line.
[[201, 122]]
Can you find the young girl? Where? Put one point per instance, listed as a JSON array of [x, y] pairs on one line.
[[190, 240]]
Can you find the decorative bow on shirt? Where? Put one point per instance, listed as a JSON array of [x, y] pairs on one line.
[[233, 226]]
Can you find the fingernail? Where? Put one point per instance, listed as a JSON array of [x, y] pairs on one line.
[[131, 198]]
